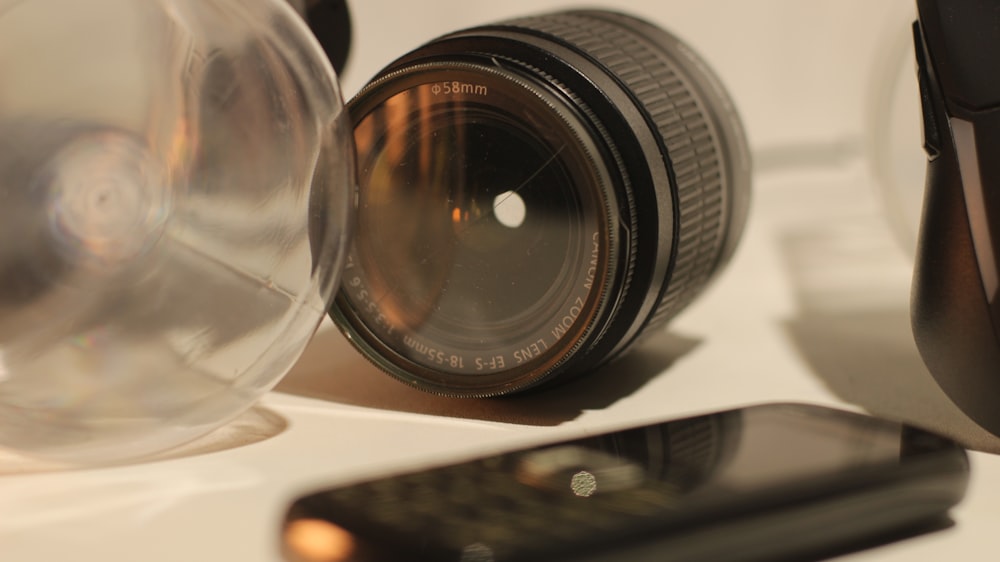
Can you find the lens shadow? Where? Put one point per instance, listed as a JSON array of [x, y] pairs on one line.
[[853, 327], [330, 369]]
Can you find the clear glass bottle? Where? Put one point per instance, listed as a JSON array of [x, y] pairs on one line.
[[175, 186]]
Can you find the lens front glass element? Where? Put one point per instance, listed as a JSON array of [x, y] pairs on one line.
[[482, 230]]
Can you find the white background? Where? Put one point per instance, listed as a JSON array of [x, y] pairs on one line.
[[800, 71]]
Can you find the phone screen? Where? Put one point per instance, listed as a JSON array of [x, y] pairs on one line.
[[572, 499]]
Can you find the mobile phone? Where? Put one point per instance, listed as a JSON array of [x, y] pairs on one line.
[[763, 482]]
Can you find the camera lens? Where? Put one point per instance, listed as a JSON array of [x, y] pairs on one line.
[[533, 197]]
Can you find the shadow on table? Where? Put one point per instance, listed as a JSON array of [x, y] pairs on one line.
[[868, 358], [331, 370], [856, 335]]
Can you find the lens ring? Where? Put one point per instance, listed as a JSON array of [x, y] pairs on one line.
[[666, 136]]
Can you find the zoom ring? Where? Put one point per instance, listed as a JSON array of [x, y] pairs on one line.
[[692, 149]]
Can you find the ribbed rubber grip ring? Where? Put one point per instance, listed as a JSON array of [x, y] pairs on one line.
[[629, 50]]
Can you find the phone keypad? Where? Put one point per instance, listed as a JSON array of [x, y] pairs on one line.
[[496, 504]]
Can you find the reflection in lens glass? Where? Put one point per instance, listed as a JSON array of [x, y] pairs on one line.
[[458, 251], [478, 229]]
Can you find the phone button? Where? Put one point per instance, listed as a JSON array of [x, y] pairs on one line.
[[932, 134]]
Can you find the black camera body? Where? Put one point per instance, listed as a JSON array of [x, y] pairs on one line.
[[955, 306]]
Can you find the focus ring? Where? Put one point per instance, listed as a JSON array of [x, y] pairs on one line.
[[692, 149]]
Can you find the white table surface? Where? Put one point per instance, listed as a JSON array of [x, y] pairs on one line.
[[813, 308]]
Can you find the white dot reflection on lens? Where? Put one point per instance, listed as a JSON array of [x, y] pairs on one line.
[[509, 209]]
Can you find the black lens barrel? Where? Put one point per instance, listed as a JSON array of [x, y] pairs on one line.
[[668, 138]]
